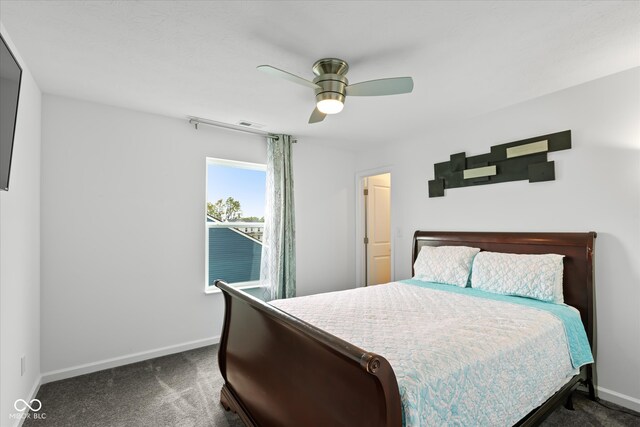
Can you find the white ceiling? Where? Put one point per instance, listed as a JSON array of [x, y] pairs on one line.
[[196, 58]]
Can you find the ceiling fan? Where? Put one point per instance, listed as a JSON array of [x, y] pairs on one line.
[[332, 87]]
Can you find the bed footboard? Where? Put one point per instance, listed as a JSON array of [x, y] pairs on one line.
[[281, 371]]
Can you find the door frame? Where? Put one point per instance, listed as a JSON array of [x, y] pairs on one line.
[[359, 222]]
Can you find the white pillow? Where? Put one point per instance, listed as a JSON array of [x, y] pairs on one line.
[[533, 276], [445, 264]]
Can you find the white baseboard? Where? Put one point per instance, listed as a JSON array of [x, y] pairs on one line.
[[88, 368], [32, 395], [618, 398]]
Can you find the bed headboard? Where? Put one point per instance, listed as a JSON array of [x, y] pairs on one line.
[[576, 247]]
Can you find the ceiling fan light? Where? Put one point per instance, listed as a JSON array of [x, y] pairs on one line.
[[330, 106]]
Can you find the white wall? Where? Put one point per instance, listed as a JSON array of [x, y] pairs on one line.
[[597, 187], [324, 195], [20, 254], [123, 196]]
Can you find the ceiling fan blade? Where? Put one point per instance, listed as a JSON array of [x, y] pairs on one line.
[[286, 75], [391, 86], [317, 116]]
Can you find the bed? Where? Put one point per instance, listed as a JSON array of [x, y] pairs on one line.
[[280, 370]]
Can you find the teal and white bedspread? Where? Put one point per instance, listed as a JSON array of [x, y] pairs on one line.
[[462, 357]]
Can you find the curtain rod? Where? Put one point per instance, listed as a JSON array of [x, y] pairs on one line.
[[195, 121]]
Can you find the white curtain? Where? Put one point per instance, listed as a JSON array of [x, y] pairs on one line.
[[278, 264]]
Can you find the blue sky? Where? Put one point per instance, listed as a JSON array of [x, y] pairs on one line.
[[245, 185]]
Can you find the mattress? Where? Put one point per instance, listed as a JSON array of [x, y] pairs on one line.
[[461, 357]]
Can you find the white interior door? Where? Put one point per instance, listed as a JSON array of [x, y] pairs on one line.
[[378, 228]]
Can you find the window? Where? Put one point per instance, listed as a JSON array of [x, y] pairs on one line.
[[234, 222]]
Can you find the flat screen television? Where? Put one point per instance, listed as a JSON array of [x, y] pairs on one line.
[[10, 79]]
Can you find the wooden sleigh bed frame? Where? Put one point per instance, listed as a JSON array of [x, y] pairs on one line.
[[282, 371]]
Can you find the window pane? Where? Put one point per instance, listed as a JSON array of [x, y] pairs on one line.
[[246, 186], [233, 256], [235, 197]]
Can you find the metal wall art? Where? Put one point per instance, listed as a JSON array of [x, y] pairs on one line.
[[513, 161]]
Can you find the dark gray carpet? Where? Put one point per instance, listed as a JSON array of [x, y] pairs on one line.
[[182, 390]]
